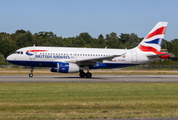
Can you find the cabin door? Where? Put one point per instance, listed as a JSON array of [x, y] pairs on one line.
[[134, 56]]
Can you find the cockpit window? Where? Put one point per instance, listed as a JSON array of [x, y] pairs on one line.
[[18, 52]]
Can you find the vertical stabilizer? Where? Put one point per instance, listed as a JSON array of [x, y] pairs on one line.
[[153, 41]]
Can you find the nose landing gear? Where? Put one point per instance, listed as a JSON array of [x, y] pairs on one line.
[[31, 74]]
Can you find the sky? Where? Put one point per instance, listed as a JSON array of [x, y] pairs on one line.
[[69, 18]]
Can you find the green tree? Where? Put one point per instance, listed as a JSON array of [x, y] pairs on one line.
[[167, 45], [113, 41], [86, 37], [133, 40], [59, 42], [124, 37], [7, 47], [100, 36], [20, 31], [112, 36], [2, 60], [175, 48]]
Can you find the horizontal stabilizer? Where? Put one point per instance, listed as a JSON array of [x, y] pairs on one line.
[[164, 55]]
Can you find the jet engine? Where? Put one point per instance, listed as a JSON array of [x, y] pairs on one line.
[[66, 68]]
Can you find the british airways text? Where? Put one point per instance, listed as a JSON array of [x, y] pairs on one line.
[[54, 56]]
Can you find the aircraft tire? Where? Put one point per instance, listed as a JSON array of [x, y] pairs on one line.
[[31, 75], [88, 75], [82, 74]]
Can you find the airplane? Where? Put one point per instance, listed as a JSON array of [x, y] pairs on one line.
[[74, 60]]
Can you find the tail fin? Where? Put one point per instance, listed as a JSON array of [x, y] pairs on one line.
[[153, 41]]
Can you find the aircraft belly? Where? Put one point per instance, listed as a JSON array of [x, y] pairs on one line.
[[35, 63]]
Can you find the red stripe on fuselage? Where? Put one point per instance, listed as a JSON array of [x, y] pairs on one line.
[[36, 51], [159, 31]]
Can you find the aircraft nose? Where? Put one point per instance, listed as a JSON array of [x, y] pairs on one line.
[[9, 57]]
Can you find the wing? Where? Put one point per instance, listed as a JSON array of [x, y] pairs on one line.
[[94, 60]]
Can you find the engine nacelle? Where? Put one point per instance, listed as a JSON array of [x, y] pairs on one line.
[[66, 68]]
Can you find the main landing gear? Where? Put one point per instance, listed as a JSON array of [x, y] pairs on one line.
[[31, 74], [83, 74]]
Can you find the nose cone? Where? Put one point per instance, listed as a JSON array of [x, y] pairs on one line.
[[9, 58]]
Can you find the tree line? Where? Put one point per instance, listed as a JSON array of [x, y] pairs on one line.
[[9, 43]]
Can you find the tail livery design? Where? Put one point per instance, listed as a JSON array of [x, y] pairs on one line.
[[153, 41]]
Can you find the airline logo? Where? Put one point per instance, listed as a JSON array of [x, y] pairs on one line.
[[158, 41], [30, 52], [159, 31], [153, 41]]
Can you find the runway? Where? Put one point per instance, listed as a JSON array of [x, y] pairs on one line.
[[121, 78]]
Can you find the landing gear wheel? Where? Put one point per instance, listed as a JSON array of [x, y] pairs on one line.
[[31, 75], [82, 74], [88, 75]]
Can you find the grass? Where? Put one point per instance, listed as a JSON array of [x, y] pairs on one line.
[[87, 100]]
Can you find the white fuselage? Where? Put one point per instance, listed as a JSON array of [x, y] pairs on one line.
[[50, 56]]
